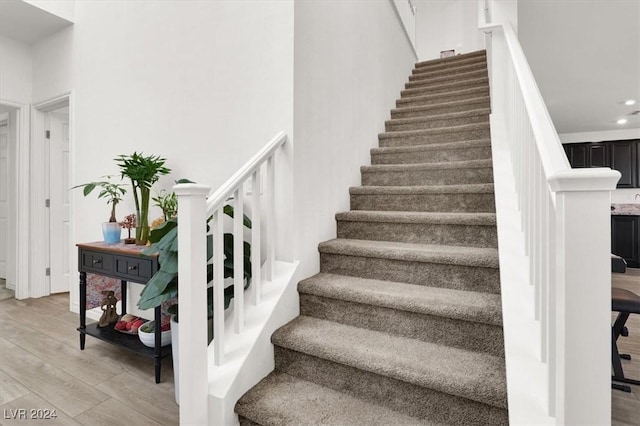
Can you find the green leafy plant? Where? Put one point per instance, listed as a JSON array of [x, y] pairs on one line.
[[143, 173], [168, 203], [163, 285], [113, 192]]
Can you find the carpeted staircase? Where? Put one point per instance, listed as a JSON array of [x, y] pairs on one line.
[[403, 324]]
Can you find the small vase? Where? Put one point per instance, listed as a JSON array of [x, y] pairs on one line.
[[111, 232]]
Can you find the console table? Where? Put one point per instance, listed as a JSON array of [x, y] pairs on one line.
[[126, 263]]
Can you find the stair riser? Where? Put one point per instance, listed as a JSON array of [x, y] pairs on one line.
[[458, 277], [440, 88], [420, 233], [480, 153], [449, 96], [447, 65], [454, 203], [394, 126], [427, 177], [414, 400], [446, 78], [472, 336], [427, 139], [440, 109]]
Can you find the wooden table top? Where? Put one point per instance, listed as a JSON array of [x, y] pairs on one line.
[[118, 248]]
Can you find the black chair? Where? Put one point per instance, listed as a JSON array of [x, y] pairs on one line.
[[625, 303]]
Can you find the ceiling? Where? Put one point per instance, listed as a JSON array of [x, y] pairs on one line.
[[24, 22], [585, 56]]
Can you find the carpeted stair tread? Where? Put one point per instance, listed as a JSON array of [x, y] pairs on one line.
[[449, 106], [431, 147], [472, 375], [466, 75], [445, 165], [426, 253], [441, 117], [478, 219], [436, 131], [452, 59], [466, 93], [281, 399], [444, 87], [463, 305], [419, 74], [484, 188]]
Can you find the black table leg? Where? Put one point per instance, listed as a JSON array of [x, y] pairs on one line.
[[123, 296], [158, 341], [83, 308]]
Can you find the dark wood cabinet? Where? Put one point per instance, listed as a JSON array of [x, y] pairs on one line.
[[598, 155], [623, 156], [578, 155], [623, 159], [625, 239]]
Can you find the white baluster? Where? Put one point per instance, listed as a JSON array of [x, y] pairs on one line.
[[238, 260], [270, 223], [218, 287], [255, 237]]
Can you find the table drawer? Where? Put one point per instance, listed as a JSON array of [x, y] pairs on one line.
[[134, 269], [96, 261]]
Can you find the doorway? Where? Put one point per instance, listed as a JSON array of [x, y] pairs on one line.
[[8, 211], [50, 199]]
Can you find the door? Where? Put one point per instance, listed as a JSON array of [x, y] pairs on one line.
[[4, 198], [59, 242]]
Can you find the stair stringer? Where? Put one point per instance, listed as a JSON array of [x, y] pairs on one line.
[[249, 356], [527, 375]]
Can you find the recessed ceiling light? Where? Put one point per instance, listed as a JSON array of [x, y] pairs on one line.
[[630, 102], [622, 121]]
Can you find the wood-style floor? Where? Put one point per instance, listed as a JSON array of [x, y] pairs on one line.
[[42, 367], [625, 407]]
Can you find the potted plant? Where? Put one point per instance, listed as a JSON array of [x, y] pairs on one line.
[[143, 173], [163, 285], [113, 193], [168, 203]]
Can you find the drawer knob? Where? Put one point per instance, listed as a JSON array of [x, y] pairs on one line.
[[97, 261], [132, 268]]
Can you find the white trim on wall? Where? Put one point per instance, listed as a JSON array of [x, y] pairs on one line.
[[22, 211]]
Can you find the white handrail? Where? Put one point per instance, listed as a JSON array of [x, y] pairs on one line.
[[564, 217], [192, 267], [217, 199]]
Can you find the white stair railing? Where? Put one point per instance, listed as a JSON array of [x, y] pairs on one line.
[[194, 210], [565, 219]]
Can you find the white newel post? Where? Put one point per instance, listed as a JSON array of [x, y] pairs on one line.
[[583, 292], [192, 303]]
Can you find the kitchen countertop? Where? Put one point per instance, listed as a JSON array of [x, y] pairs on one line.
[[625, 209]]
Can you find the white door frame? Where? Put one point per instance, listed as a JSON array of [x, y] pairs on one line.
[[39, 240], [21, 221]]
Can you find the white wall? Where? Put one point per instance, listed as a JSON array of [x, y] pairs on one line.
[[445, 25], [15, 71], [502, 11], [351, 61], [63, 8], [620, 195], [187, 81]]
